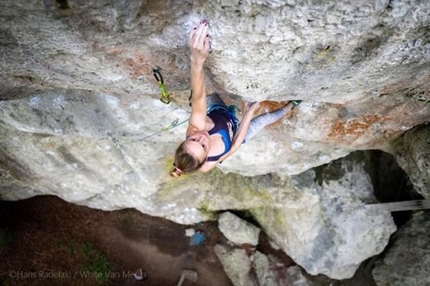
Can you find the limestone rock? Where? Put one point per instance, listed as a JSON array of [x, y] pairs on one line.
[[412, 153], [262, 268], [359, 67], [296, 276], [407, 262], [237, 230], [268, 273], [319, 219], [236, 264], [80, 115]]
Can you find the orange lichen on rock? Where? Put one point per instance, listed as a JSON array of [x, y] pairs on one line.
[[268, 106], [139, 65], [354, 127], [133, 60]]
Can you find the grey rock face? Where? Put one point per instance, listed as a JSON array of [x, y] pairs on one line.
[[297, 277], [407, 262], [270, 272], [80, 115], [325, 226], [262, 266], [412, 152], [237, 230], [236, 264]]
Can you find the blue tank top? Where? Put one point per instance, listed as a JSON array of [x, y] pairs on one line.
[[223, 126]]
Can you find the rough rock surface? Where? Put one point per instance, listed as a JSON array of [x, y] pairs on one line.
[[412, 154], [80, 116], [297, 277], [361, 68], [236, 264], [267, 271], [264, 274], [325, 227], [407, 262], [237, 230]]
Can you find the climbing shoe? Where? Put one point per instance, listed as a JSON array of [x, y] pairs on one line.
[[295, 103]]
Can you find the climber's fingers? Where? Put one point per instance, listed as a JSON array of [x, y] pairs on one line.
[[206, 46], [203, 34], [199, 42], [192, 36], [198, 36]]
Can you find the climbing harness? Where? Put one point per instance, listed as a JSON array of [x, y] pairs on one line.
[[165, 97], [229, 111]]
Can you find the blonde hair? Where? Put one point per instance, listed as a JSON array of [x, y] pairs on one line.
[[184, 162]]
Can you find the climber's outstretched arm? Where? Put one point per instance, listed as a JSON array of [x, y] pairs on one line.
[[199, 47]]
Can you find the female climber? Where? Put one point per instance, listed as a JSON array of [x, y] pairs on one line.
[[213, 132]]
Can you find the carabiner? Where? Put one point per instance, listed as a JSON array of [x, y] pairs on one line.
[[157, 74], [165, 97], [171, 126]]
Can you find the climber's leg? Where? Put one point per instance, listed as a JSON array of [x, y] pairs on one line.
[[265, 119]]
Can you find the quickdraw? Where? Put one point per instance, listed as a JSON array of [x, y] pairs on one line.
[[171, 126], [175, 123], [165, 97]]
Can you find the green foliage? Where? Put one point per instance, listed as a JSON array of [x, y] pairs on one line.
[[6, 237], [95, 261], [70, 247]]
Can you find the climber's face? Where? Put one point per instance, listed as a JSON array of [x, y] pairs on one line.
[[198, 145]]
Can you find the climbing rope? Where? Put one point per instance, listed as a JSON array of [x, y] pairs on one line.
[[231, 112], [175, 123], [129, 139]]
